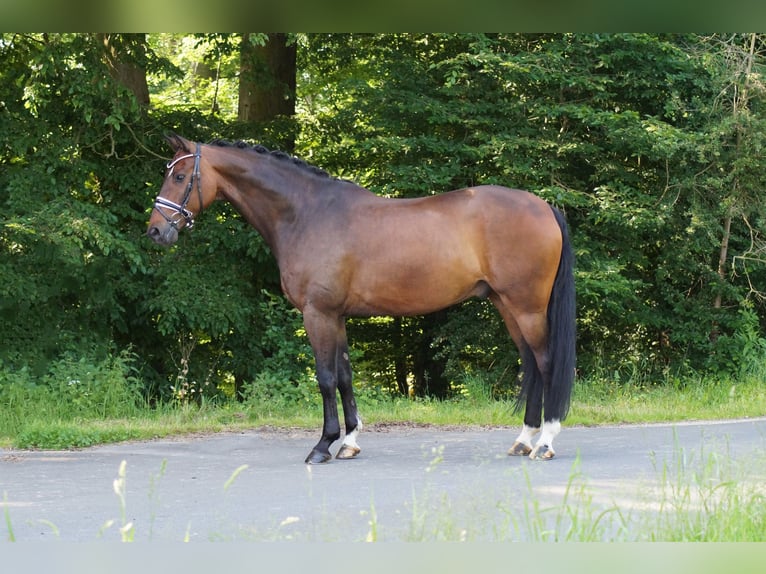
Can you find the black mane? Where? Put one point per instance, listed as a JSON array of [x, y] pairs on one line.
[[280, 155]]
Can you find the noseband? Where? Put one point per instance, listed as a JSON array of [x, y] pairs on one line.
[[161, 203]]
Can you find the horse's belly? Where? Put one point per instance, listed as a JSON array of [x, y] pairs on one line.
[[414, 291]]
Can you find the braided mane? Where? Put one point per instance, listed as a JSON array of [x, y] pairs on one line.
[[280, 155]]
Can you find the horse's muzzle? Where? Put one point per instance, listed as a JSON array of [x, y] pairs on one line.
[[162, 235]]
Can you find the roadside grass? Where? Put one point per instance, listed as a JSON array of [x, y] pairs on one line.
[[104, 411], [696, 496], [609, 402]]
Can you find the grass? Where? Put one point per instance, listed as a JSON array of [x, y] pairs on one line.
[[696, 497], [707, 497], [606, 402], [41, 417]]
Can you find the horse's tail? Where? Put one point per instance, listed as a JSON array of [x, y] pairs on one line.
[[561, 330]]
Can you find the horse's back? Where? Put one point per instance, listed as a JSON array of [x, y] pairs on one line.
[[500, 220], [512, 203]]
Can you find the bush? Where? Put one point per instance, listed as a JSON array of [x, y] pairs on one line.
[[743, 352], [272, 392], [84, 388], [287, 375]]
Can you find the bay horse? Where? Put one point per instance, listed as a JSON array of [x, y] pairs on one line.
[[343, 251]]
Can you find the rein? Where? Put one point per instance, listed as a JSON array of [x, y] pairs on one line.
[[160, 203]]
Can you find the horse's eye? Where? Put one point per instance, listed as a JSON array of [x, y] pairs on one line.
[[180, 177]]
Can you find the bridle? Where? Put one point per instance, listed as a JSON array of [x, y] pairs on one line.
[[161, 203]]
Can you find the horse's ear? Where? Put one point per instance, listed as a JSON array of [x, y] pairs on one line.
[[177, 142]]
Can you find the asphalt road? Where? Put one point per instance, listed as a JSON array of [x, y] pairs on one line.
[[407, 484]]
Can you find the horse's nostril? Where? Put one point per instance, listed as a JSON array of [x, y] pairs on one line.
[[160, 236]]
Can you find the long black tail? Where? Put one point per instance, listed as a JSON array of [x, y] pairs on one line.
[[561, 330]]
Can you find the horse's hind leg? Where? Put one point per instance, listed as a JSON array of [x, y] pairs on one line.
[[534, 329], [529, 332], [533, 387], [522, 446]]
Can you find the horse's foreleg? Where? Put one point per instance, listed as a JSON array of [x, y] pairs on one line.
[[331, 427], [325, 335], [350, 448]]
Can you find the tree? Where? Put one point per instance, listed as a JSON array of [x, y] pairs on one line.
[[267, 77], [81, 161], [737, 141], [125, 56], [65, 254], [202, 74]]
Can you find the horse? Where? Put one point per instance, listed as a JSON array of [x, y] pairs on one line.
[[343, 251]]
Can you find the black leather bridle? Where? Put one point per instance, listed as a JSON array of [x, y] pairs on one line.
[[161, 204]]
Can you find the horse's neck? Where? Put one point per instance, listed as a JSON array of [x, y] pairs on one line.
[[267, 202]]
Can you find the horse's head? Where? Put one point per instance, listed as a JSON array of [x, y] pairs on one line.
[[184, 192]]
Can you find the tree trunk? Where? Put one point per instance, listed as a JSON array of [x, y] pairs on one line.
[[266, 79], [124, 54], [427, 370], [723, 256], [400, 359]]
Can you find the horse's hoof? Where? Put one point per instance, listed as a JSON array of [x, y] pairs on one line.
[[347, 451], [519, 449], [317, 457], [542, 452]]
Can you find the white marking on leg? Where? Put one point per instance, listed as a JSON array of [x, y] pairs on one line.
[[350, 438], [526, 435], [550, 430]]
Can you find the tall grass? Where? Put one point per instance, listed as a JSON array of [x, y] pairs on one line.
[[693, 397], [695, 497], [705, 497]]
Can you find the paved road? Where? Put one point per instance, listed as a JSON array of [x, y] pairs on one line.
[[407, 484]]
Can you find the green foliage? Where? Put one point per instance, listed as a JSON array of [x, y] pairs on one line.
[[287, 377], [81, 162], [203, 73], [67, 435], [743, 352], [651, 143], [58, 241], [478, 350], [44, 411]]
